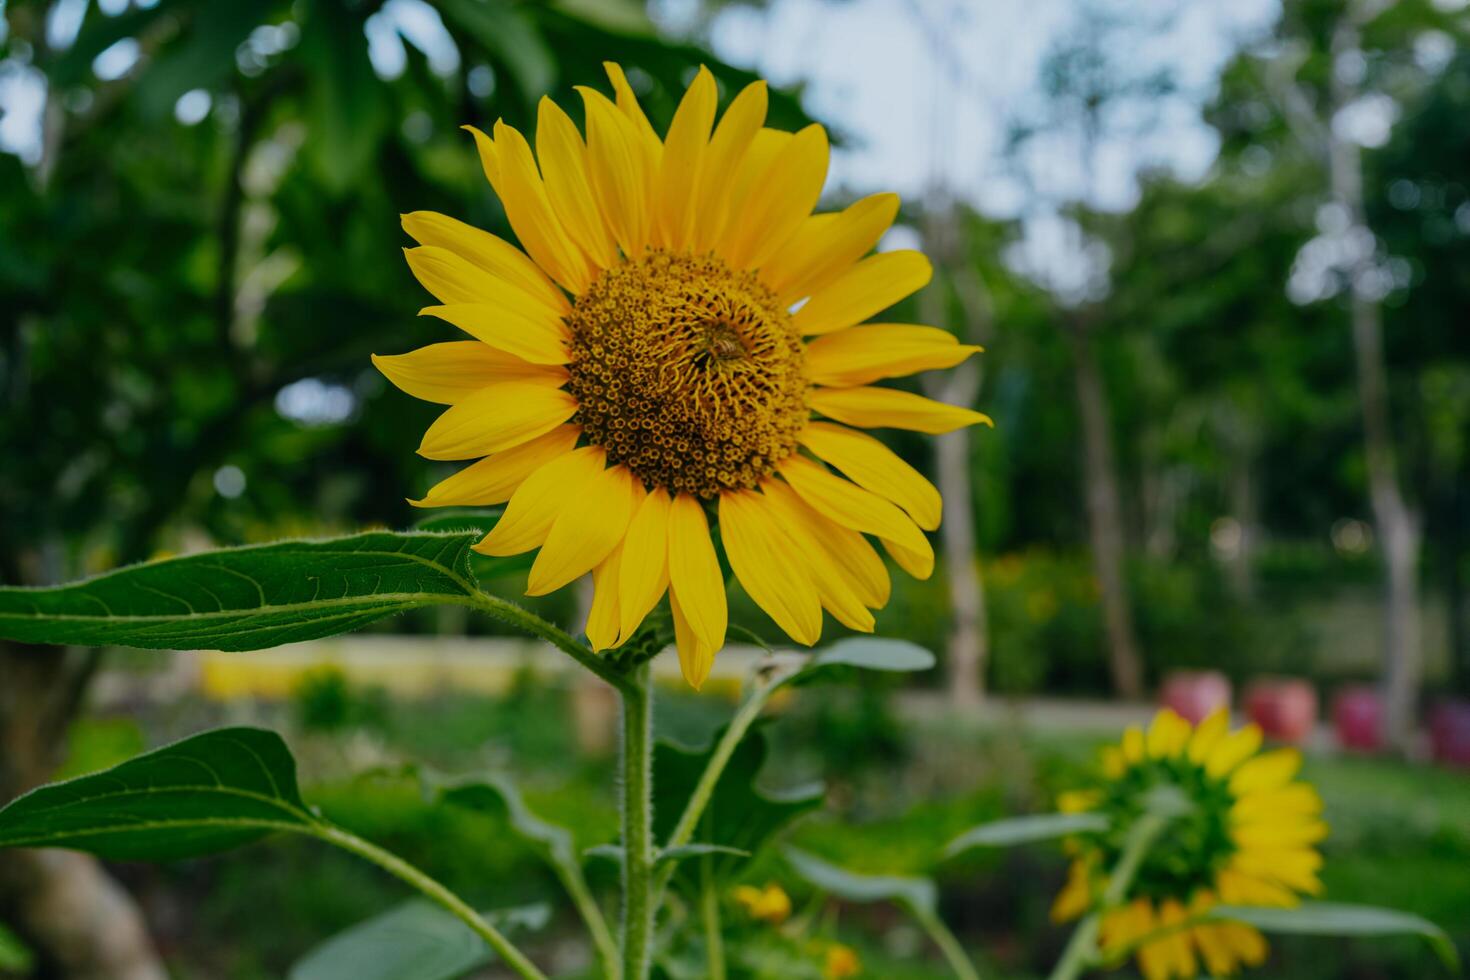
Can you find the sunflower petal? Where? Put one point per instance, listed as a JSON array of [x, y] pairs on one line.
[[493, 479], [858, 355], [721, 161], [618, 169], [538, 500], [771, 570], [499, 258], [585, 534], [856, 560], [495, 418], [522, 193], [644, 575], [602, 618], [788, 190], [695, 656], [536, 339], [683, 155], [836, 591], [871, 286], [694, 572], [563, 159], [856, 508], [873, 466], [827, 245], [1271, 770], [451, 372], [876, 408]]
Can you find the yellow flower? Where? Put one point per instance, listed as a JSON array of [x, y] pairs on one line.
[[840, 962], [769, 904], [1249, 839], [641, 369]]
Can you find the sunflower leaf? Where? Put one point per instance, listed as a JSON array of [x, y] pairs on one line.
[[414, 941], [1026, 830], [864, 653], [207, 793], [918, 895], [1339, 919], [247, 598]]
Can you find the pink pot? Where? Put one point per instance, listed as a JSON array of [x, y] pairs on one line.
[[1285, 708], [1194, 694], [1449, 732], [1357, 718]]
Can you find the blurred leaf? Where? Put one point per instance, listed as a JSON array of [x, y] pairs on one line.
[[203, 59], [207, 793], [346, 112], [415, 941], [98, 33], [917, 895], [866, 653], [1337, 919], [1025, 830], [741, 816], [247, 598], [509, 35], [613, 15], [15, 956], [614, 852], [499, 797]]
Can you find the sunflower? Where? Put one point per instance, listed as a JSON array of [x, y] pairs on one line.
[[1249, 839], [647, 366]]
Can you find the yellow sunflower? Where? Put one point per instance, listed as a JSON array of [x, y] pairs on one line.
[[650, 365], [1249, 839]]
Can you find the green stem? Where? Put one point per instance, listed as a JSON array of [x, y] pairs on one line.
[[714, 940], [954, 953], [637, 803], [1082, 949], [699, 799], [513, 615], [401, 869]]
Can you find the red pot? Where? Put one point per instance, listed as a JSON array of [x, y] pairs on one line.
[[1194, 694], [1357, 718], [1285, 708], [1449, 732]]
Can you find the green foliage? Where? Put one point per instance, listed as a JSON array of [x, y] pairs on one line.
[[1026, 830], [741, 816], [415, 941], [247, 598], [325, 701], [918, 895], [1337, 919], [14, 955], [204, 794]]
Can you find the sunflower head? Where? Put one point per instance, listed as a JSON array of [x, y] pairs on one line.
[[1248, 838], [677, 343]]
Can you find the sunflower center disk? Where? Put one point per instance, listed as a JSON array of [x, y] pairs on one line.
[[688, 373]]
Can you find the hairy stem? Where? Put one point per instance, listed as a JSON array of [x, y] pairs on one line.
[[410, 875], [714, 940], [637, 804]]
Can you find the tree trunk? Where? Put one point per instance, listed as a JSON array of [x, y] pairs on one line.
[[1104, 515], [1396, 525], [80, 923], [967, 648]]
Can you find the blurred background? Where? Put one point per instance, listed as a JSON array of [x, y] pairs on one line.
[[1219, 256]]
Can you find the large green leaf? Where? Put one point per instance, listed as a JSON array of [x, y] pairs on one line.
[[203, 58], [499, 797], [207, 793], [509, 35], [415, 941], [741, 815], [918, 895], [1025, 830], [1337, 919], [247, 598]]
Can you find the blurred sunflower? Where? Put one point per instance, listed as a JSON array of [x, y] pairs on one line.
[[643, 369], [1249, 839]]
